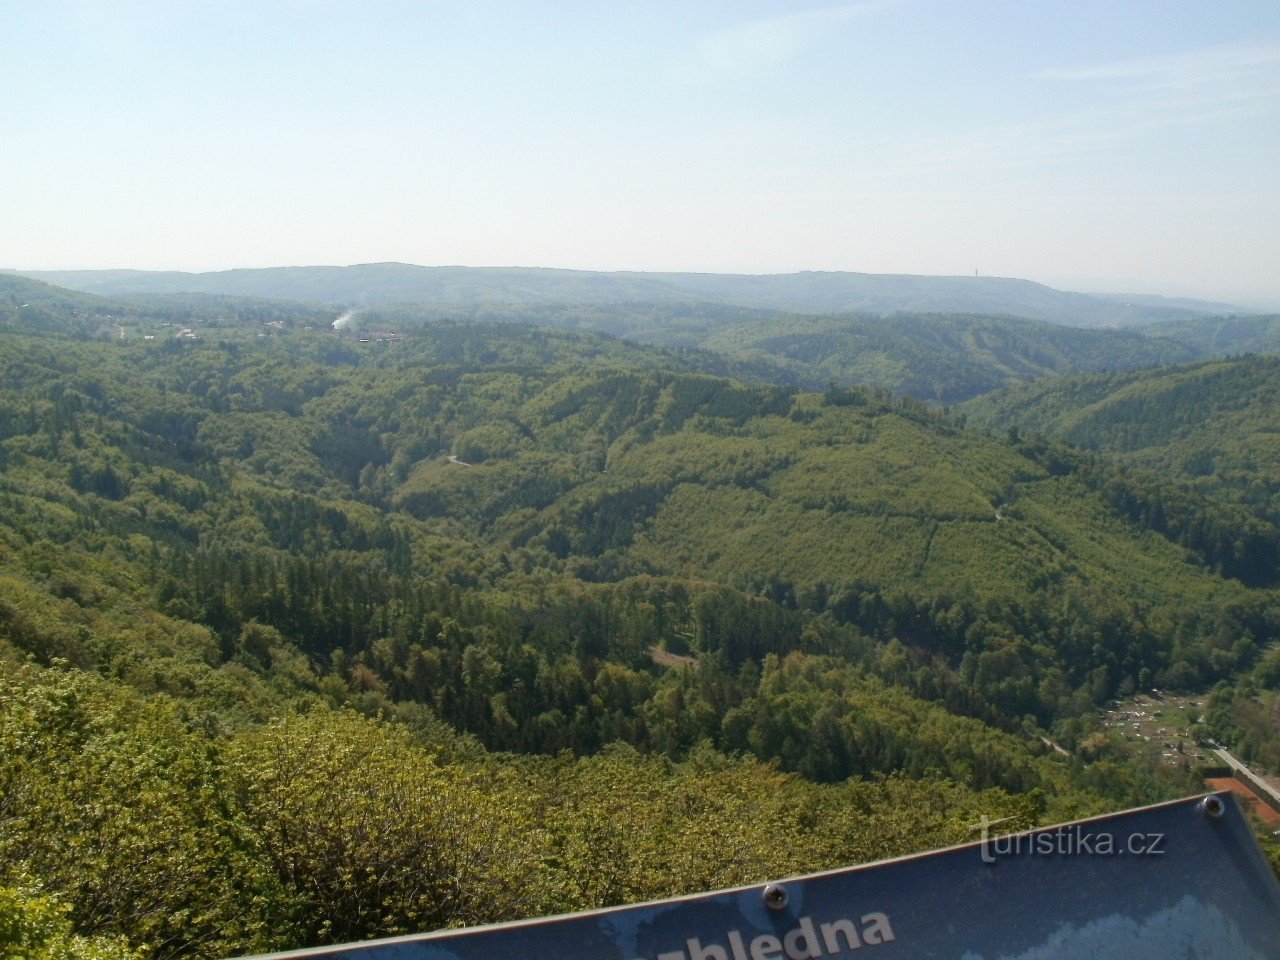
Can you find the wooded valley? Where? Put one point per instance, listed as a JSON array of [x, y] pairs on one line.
[[308, 638]]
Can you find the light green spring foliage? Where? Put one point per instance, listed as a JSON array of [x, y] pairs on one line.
[[630, 827], [114, 803], [328, 827], [367, 832], [34, 926]]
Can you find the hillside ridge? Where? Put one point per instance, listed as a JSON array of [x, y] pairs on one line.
[[810, 291]]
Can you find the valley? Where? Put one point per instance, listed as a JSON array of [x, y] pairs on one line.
[[526, 560]]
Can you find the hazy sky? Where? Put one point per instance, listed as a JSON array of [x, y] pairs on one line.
[[1071, 142]]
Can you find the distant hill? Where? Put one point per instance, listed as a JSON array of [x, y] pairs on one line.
[[31, 304], [1223, 336], [888, 293], [34, 306], [391, 283], [1173, 304], [17, 291], [944, 358], [379, 283]]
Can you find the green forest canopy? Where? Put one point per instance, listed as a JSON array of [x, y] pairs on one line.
[[503, 567]]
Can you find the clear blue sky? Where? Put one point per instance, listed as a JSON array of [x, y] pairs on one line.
[[1081, 143]]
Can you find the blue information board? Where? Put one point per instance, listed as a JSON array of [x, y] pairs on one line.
[[1178, 881]]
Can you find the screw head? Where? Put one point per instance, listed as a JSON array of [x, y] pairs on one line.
[[1214, 808], [775, 897]]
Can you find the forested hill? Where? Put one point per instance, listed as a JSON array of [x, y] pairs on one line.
[[391, 283], [943, 358], [42, 308], [1215, 425], [1223, 336], [940, 358], [588, 464], [262, 592]]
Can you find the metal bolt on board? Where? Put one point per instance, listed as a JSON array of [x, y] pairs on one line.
[[775, 897]]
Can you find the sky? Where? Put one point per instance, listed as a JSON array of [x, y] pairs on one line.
[[1091, 145]]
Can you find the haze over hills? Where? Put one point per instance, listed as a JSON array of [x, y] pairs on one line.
[[18, 292], [937, 357], [41, 307], [394, 283], [1169, 303], [944, 358], [1223, 336]]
